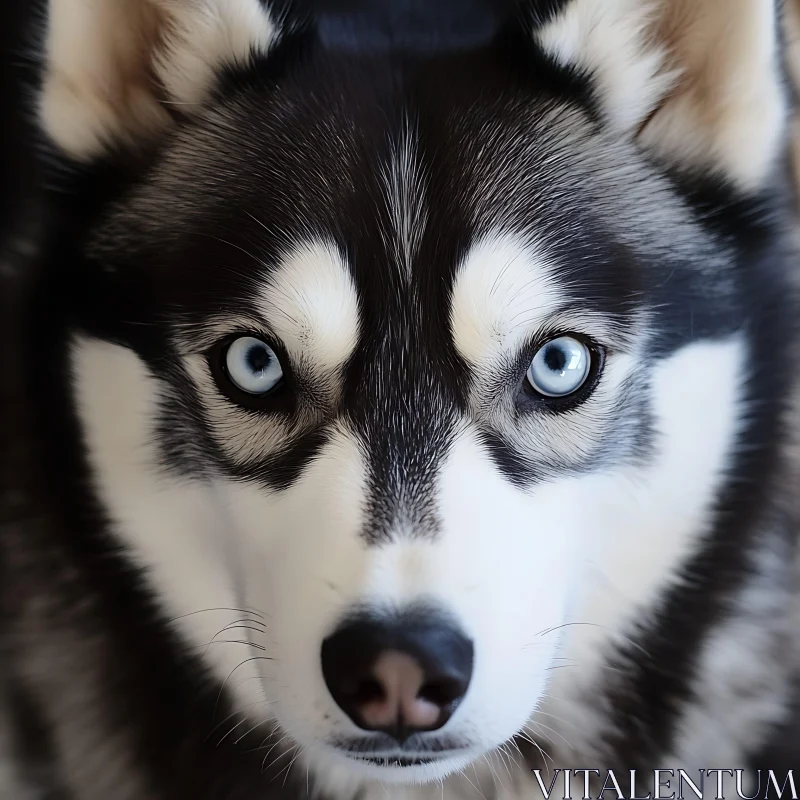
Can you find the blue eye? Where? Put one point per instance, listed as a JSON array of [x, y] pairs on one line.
[[560, 367], [252, 365]]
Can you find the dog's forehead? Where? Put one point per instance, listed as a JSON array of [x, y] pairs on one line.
[[350, 146], [398, 172], [401, 175]]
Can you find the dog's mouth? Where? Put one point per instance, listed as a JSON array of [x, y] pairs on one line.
[[397, 759], [414, 753]]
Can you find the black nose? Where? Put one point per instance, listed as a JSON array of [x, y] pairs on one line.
[[399, 675]]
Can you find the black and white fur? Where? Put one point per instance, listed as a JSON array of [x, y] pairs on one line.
[[406, 225]]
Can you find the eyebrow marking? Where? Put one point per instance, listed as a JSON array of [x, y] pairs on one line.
[[311, 304], [501, 291]]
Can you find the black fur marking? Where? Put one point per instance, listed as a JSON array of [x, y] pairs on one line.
[[528, 59], [514, 465], [281, 470]]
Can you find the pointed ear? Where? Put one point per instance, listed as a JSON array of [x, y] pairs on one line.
[[117, 70], [698, 82]]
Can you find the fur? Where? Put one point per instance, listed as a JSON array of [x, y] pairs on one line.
[[404, 227]]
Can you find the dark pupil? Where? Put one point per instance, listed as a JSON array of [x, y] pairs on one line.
[[555, 358], [258, 358]]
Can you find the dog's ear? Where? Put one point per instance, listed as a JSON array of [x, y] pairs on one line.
[[115, 71], [698, 82]]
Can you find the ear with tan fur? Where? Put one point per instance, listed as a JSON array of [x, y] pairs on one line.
[[114, 67], [697, 82]]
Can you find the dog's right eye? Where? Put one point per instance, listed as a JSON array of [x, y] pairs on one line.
[[252, 366], [560, 367]]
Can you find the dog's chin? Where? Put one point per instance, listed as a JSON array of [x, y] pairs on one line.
[[399, 766]]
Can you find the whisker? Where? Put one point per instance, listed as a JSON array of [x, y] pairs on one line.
[[506, 748], [495, 776], [628, 639], [233, 714], [241, 664], [264, 740], [233, 627], [277, 758], [513, 744], [502, 755], [263, 746], [231, 731], [463, 774], [289, 767], [251, 621], [233, 641], [547, 631], [222, 722], [542, 752], [552, 730], [256, 726], [560, 719], [222, 608], [477, 778]]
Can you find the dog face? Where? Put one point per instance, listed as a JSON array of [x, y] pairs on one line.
[[392, 379]]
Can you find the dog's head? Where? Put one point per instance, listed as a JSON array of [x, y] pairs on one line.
[[415, 359]]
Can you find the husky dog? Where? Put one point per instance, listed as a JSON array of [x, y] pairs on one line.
[[400, 416]]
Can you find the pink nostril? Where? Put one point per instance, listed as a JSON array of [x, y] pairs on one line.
[[402, 701], [399, 675]]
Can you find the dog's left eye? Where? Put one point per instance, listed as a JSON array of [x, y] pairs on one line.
[[252, 365], [560, 367]]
